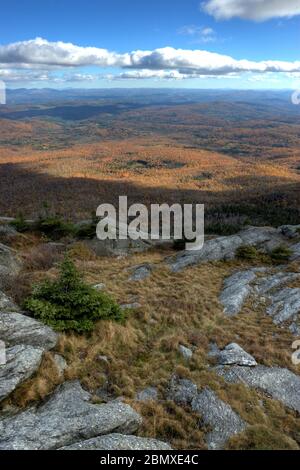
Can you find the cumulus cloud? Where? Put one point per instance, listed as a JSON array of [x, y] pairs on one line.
[[257, 10], [38, 58], [42, 52]]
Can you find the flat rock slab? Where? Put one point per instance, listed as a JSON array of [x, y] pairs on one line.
[[267, 284], [281, 384], [285, 305], [21, 362], [224, 248], [224, 422], [66, 418], [236, 290], [119, 442], [16, 328], [281, 303]]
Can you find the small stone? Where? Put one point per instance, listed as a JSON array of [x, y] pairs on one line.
[[140, 272], [60, 363], [99, 287], [133, 306], [186, 353], [181, 391], [148, 394]]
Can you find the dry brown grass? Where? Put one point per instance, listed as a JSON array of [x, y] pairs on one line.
[[175, 308]]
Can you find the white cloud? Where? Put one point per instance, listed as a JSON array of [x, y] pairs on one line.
[[257, 10], [200, 33], [40, 60], [42, 52]]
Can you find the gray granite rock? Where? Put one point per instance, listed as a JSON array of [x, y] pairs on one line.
[[99, 287], [186, 353], [285, 305], [140, 272], [280, 384], [132, 306], [119, 442], [16, 328], [181, 391], [274, 281], [218, 415], [21, 362], [60, 363], [233, 354], [7, 304], [214, 412], [295, 252], [66, 418], [9, 264], [290, 231], [224, 248], [236, 290], [148, 394]]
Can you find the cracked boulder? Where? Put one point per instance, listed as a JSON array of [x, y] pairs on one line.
[[66, 418]]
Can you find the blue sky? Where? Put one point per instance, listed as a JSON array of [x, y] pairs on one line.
[[260, 32]]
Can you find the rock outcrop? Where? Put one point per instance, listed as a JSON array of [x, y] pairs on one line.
[[9, 264], [279, 383], [215, 413], [219, 416], [224, 248], [21, 362], [119, 442], [25, 340], [16, 328], [268, 289], [66, 418]]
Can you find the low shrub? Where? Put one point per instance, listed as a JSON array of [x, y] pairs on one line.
[[20, 224], [247, 252], [69, 304], [54, 227], [280, 254]]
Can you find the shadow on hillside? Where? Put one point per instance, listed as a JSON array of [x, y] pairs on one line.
[[26, 191]]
